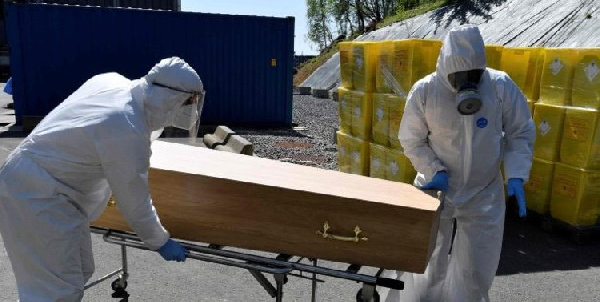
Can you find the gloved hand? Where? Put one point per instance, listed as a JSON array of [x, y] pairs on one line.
[[439, 182], [172, 251], [515, 188]]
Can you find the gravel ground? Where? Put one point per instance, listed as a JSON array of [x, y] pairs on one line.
[[309, 142]]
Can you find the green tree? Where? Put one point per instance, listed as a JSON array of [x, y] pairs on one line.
[[319, 20]]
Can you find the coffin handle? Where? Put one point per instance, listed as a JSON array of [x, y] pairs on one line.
[[112, 201], [326, 235]]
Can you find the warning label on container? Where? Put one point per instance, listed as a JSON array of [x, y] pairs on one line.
[[344, 57], [401, 60], [544, 127], [376, 164], [357, 111], [355, 157], [534, 183], [591, 70], [556, 66], [394, 167], [380, 112], [565, 186], [577, 129]]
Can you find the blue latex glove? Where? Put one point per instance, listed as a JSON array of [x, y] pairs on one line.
[[439, 182], [8, 87], [515, 188], [172, 251]]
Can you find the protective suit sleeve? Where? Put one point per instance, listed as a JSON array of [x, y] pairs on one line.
[[413, 135], [519, 131], [125, 159]]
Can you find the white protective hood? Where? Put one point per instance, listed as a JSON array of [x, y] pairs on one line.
[[463, 50]]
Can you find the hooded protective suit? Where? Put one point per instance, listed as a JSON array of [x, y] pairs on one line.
[[61, 176], [471, 148]]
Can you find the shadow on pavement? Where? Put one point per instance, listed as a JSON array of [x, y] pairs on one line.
[[527, 248]]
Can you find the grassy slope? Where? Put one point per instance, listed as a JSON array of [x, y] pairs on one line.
[[306, 69]]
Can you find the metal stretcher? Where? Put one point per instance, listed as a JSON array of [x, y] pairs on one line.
[[280, 267]]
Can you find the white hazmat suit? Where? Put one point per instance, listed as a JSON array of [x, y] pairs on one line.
[[95, 143], [470, 148]]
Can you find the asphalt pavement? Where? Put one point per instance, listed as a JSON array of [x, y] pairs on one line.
[[535, 265]]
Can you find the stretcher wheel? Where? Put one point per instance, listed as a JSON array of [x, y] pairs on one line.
[[360, 299], [116, 285]]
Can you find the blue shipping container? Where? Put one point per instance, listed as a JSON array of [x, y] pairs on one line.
[[245, 62]]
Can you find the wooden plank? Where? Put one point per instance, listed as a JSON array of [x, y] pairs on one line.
[[255, 203]]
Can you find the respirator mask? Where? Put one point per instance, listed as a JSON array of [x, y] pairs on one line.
[[467, 98]]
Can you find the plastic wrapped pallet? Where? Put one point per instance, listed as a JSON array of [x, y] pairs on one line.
[[399, 167], [381, 119], [493, 56], [346, 64], [386, 56], [520, 64], [402, 63], [539, 187], [346, 104], [378, 161], [396, 104], [362, 115], [365, 56], [548, 120], [580, 146], [575, 194], [586, 79], [344, 143], [359, 156], [408, 61], [557, 76]]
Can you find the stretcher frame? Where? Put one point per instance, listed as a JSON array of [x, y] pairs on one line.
[[280, 267]]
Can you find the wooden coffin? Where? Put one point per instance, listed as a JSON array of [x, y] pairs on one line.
[[242, 201]]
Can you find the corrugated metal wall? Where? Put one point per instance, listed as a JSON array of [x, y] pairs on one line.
[[245, 62]]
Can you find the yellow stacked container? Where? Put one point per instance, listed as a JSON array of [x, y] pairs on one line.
[[520, 64], [557, 76], [365, 56], [586, 79], [396, 104], [575, 195], [493, 56], [378, 161], [346, 104], [580, 145], [381, 119], [398, 167], [362, 115], [344, 142], [538, 188], [548, 120], [425, 55], [346, 64], [359, 156]]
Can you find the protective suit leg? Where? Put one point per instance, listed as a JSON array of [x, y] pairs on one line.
[[477, 245], [44, 237], [429, 285], [87, 256]]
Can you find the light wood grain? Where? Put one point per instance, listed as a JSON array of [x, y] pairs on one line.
[[234, 200]]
